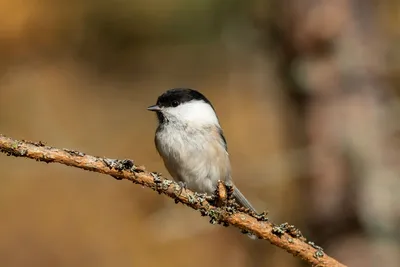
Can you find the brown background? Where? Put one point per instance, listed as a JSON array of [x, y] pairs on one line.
[[305, 91]]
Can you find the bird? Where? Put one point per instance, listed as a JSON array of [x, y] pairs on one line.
[[191, 142]]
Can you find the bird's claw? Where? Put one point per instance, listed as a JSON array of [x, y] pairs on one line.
[[182, 185]]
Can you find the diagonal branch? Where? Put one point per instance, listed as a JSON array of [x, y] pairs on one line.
[[284, 236]]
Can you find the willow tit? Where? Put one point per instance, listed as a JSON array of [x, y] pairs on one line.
[[191, 142]]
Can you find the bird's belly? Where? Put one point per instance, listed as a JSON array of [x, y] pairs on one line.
[[198, 162]]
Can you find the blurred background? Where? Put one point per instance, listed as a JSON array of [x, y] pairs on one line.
[[306, 91]]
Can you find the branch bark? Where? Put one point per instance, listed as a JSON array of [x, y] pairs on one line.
[[285, 236]]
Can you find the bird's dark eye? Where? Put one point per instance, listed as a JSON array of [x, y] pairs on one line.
[[175, 103]]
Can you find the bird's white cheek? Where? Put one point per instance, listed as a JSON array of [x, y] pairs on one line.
[[194, 112]]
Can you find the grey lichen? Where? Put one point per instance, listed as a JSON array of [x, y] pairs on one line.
[[201, 197], [156, 177], [23, 152], [318, 254], [262, 216], [157, 181], [214, 216], [277, 230], [192, 200], [165, 184], [74, 152], [110, 163], [315, 246]]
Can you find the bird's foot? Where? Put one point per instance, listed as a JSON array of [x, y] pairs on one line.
[[182, 185], [230, 188], [222, 193]]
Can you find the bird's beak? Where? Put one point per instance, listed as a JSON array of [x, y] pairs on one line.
[[154, 108]]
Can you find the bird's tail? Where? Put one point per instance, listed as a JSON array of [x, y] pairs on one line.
[[241, 200]]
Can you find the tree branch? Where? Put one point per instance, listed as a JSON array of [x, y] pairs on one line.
[[284, 236]]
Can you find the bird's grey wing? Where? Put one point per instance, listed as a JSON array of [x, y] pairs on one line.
[[221, 134], [241, 200]]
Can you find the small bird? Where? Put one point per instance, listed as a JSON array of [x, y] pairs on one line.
[[191, 143]]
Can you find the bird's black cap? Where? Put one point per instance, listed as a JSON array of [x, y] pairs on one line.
[[177, 96]]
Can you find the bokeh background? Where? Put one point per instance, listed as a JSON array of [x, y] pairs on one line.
[[306, 91]]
